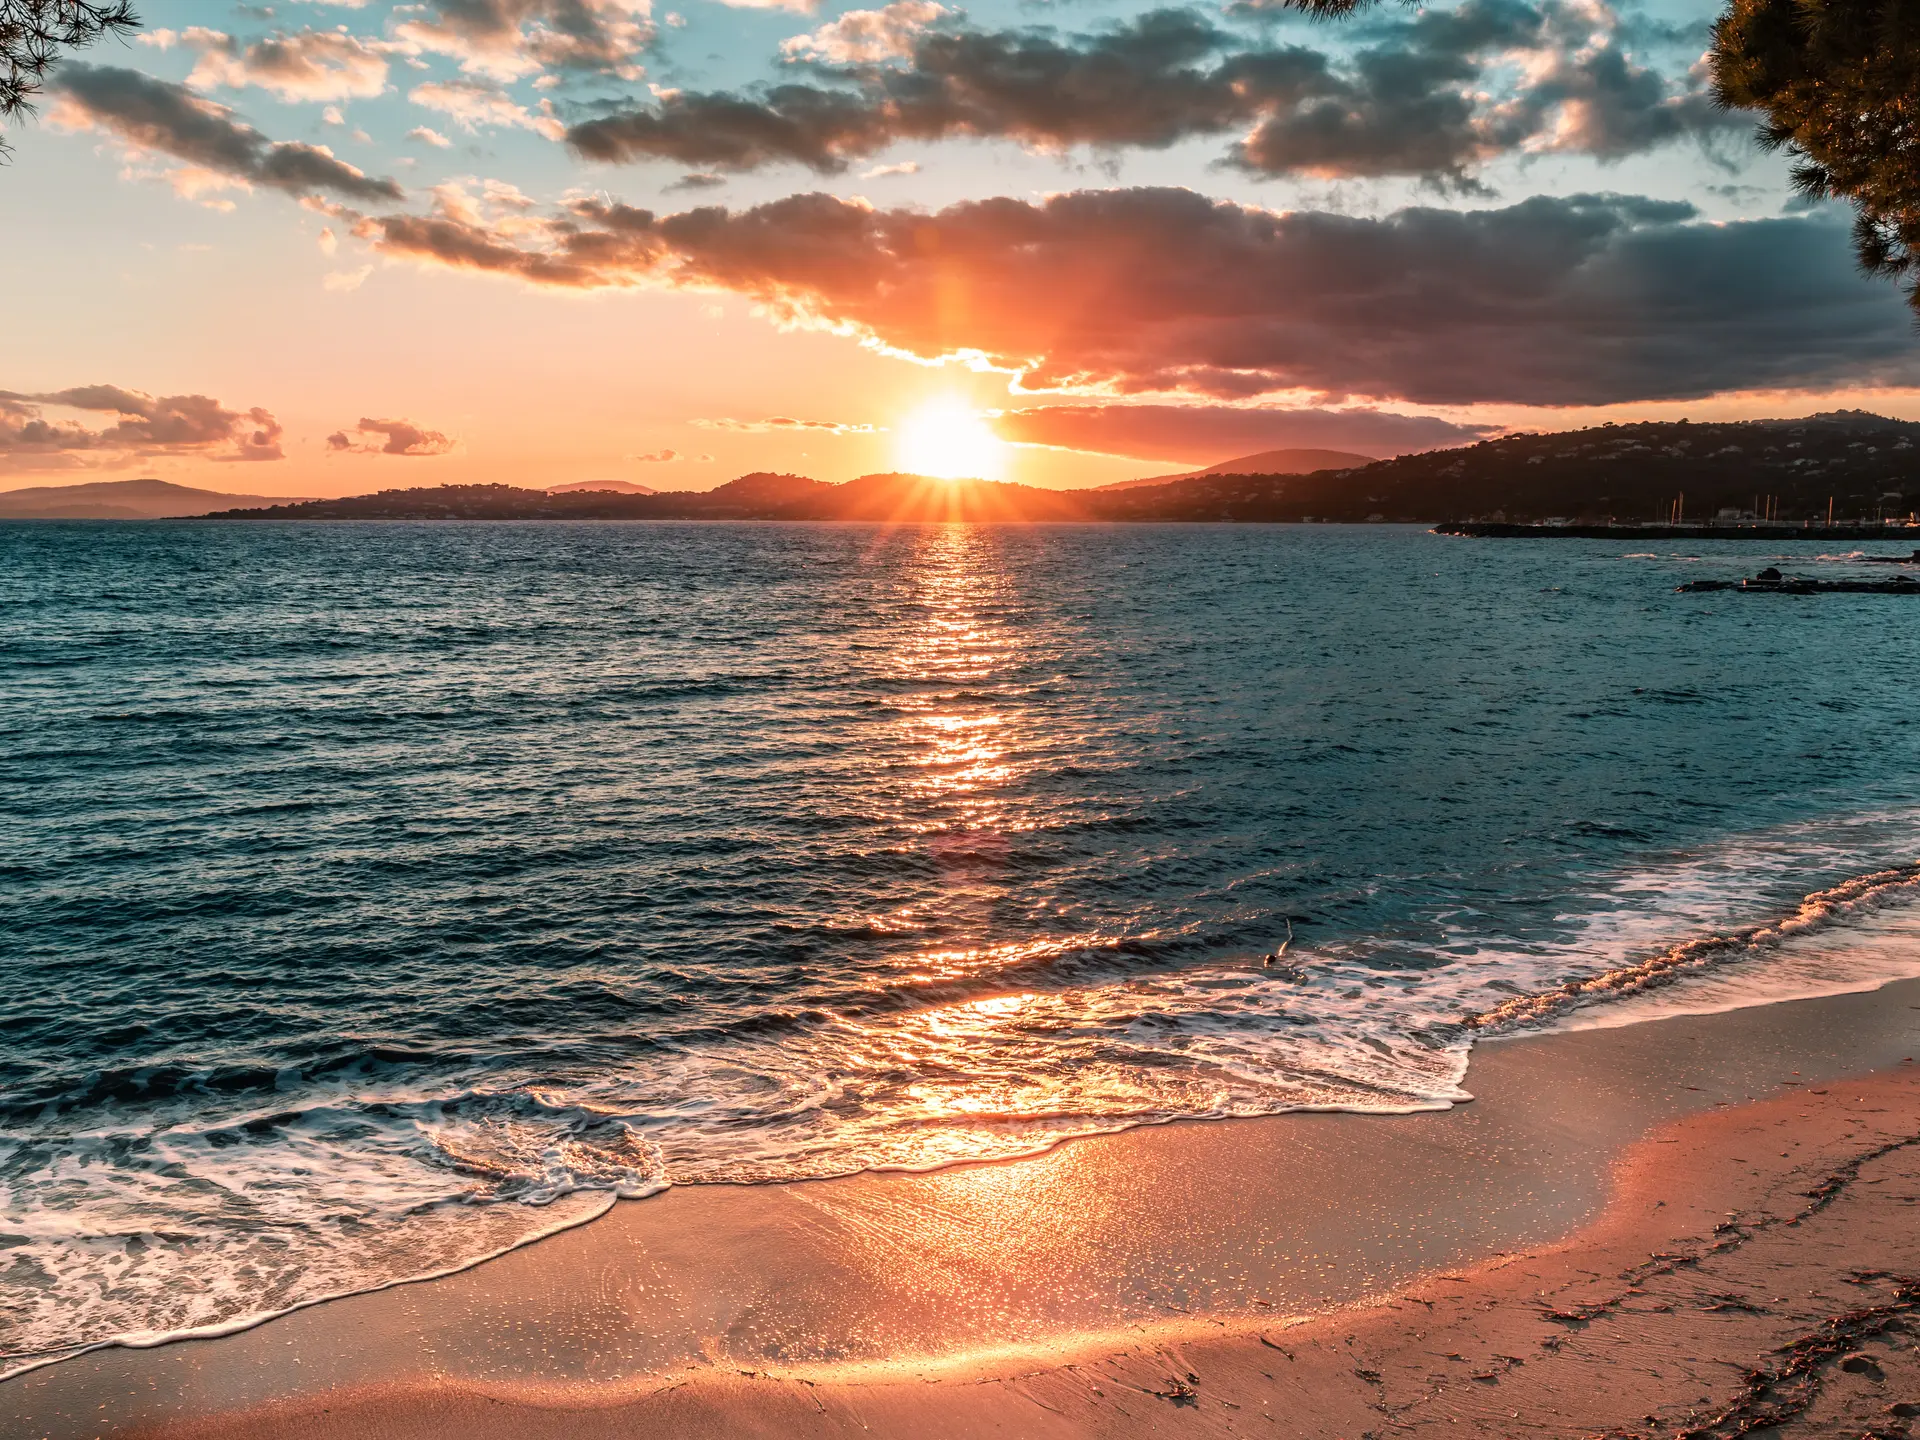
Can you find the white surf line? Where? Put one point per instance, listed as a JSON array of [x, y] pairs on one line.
[[1698, 955], [153, 1339]]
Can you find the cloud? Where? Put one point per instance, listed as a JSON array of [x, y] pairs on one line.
[[144, 427], [341, 281], [867, 37], [490, 206], [782, 422], [429, 137], [799, 7], [1191, 432], [511, 39], [388, 437], [880, 172], [1420, 100], [659, 457], [1574, 300], [311, 65], [473, 104], [146, 114], [1434, 95], [1135, 84]]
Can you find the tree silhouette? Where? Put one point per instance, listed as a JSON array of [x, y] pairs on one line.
[[1839, 84], [1332, 9], [34, 33]]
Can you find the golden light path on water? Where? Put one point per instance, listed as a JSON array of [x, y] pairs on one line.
[[808, 850], [918, 1067], [991, 1075], [965, 768]]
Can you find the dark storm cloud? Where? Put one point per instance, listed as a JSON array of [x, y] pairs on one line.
[[1423, 99], [1578, 300], [155, 115], [1181, 432]]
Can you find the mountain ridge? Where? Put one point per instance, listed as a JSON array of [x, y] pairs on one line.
[[1852, 464], [143, 499], [1295, 461], [616, 487]]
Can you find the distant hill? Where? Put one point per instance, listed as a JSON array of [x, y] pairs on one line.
[[122, 500], [1266, 462], [760, 495], [1864, 464], [618, 487]]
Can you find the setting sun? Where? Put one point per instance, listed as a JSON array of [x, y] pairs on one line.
[[948, 439], [852, 618]]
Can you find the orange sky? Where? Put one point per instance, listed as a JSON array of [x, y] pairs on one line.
[[462, 258]]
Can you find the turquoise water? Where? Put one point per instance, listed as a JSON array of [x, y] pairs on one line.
[[379, 896]]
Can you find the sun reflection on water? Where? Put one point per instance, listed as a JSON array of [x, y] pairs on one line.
[[966, 770], [975, 1017], [951, 726]]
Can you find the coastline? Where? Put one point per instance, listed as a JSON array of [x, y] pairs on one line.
[[722, 1309], [1776, 1295]]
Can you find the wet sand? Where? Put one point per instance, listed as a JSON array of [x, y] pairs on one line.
[[1303, 1274]]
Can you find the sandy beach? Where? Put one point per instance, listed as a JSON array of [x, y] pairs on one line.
[[929, 721], [1626, 1232]]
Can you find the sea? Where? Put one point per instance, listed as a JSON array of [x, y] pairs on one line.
[[376, 898]]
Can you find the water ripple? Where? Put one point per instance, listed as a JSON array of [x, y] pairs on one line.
[[380, 896]]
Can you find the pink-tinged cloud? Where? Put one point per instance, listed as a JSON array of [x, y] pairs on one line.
[[1434, 94], [153, 115], [475, 104], [1212, 432], [867, 37], [310, 65], [777, 423], [388, 437], [144, 427], [511, 39], [1577, 300]]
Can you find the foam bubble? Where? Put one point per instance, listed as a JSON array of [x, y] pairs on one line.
[[189, 1211]]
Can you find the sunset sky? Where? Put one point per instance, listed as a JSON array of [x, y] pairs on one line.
[[323, 249]]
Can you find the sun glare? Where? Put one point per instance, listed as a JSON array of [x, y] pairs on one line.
[[946, 438]]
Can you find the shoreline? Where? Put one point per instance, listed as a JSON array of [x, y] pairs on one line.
[[1782, 1298], [1894, 530], [1177, 1230]]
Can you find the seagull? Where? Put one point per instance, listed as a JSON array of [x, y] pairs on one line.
[[1281, 953]]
